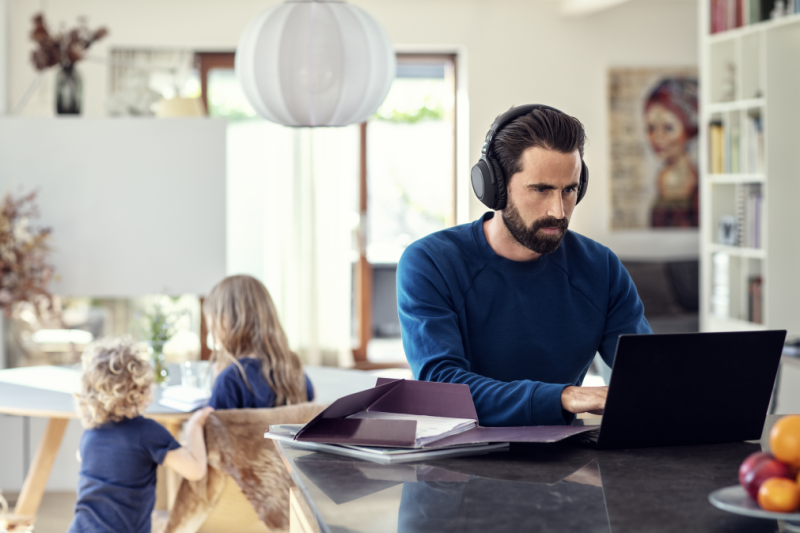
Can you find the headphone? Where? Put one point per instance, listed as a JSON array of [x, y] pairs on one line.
[[488, 180]]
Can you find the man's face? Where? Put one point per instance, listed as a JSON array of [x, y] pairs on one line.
[[541, 198]]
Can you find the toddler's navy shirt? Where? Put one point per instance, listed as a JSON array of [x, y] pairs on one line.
[[117, 487], [231, 392]]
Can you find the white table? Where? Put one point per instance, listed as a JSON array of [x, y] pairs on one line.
[[44, 392]]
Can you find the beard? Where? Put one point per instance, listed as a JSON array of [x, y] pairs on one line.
[[529, 236]]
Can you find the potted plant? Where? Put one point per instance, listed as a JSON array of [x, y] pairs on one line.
[[160, 327], [64, 50]]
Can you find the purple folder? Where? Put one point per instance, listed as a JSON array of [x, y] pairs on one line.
[[416, 398]]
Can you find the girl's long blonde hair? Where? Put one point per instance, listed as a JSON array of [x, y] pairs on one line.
[[244, 323]]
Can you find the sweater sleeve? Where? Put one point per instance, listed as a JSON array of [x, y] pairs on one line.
[[434, 346], [625, 310], [309, 390]]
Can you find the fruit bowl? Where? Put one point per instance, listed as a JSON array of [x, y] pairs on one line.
[[735, 500]]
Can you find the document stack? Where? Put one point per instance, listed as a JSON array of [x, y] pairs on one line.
[[183, 398], [401, 421]]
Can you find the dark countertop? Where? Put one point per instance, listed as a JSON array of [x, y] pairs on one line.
[[542, 488]]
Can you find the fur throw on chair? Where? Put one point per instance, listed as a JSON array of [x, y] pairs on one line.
[[237, 448]]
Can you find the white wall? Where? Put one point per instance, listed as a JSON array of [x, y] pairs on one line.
[[4, 39], [788, 391], [64, 476], [137, 206], [516, 52]]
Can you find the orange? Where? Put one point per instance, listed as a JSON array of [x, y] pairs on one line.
[[784, 440], [779, 495]]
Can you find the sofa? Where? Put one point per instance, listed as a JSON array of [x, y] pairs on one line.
[[670, 293]]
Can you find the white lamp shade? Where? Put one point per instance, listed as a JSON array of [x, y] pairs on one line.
[[315, 63]]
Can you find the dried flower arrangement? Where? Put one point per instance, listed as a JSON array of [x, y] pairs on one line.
[[64, 49], [24, 270]]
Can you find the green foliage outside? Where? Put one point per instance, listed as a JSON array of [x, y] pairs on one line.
[[431, 109], [406, 104]]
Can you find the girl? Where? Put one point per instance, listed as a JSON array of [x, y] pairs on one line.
[[120, 449], [255, 366]]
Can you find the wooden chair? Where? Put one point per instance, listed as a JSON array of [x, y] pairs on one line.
[[233, 512], [241, 462]]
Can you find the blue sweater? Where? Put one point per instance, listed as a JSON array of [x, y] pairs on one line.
[[516, 332], [231, 392]]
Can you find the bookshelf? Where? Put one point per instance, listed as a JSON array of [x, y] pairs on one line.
[[749, 166]]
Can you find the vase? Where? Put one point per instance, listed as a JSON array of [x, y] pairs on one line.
[[160, 372], [69, 91]]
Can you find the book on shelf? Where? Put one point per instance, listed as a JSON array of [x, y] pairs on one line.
[[749, 205], [727, 14], [755, 307], [733, 158], [744, 228], [755, 144], [730, 14], [716, 143], [730, 152]]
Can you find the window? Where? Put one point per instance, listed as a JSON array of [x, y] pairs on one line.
[[410, 157], [407, 180]]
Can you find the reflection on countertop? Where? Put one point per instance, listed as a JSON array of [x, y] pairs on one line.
[[562, 487]]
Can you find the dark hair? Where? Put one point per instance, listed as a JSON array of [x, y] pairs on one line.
[[545, 128]]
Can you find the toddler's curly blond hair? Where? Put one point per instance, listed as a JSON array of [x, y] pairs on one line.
[[117, 382]]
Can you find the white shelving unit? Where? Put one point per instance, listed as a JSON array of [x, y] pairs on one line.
[[763, 82]]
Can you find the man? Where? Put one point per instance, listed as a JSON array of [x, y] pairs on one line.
[[515, 305]]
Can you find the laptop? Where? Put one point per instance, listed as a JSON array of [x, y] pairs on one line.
[[689, 388]]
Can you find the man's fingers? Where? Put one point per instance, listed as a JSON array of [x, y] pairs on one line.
[[584, 399]]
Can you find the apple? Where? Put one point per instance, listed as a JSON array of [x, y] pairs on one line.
[[753, 460], [762, 471]]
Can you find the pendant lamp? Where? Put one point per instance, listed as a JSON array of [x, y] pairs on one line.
[[315, 63]]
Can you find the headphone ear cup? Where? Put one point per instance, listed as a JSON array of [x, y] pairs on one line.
[[584, 183], [482, 177], [500, 184]]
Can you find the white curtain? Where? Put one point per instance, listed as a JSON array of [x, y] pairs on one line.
[[292, 216]]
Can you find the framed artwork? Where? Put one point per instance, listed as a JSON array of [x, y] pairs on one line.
[[653, 121]]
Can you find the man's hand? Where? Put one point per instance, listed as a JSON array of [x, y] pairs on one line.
[[584, 399]]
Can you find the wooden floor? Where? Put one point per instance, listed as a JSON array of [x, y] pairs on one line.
[[55, 513]]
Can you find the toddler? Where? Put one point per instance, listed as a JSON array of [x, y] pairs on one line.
[[120, 449], [255, 366]]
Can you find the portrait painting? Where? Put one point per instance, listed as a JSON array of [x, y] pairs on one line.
[[654, 133]]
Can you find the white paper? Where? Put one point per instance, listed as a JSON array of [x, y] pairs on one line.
[[429, 428], [183, 393], [183, 398], [181, 406]]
